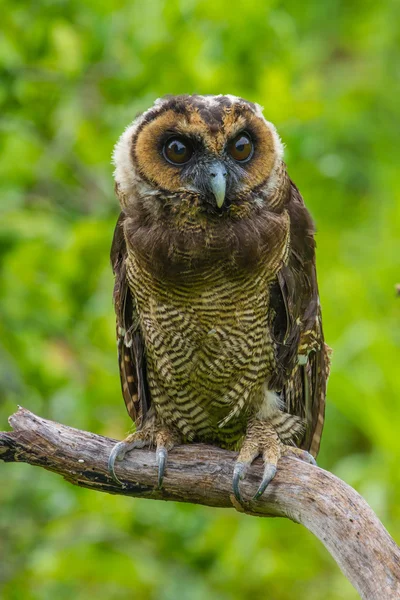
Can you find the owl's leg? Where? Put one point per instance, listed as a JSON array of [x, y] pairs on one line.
[[152, 434], [268, 438]]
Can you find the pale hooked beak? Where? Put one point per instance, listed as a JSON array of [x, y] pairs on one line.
[[218, 175]]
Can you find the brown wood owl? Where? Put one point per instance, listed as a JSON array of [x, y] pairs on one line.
[[218, 317]]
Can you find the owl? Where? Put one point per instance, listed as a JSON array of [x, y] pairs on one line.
[[218, 318]]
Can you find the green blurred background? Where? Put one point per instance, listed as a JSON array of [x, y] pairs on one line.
[[73, 75]]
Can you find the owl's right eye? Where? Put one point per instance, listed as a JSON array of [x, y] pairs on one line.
[[177, 151]]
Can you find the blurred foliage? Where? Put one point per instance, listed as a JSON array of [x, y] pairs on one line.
[[73, 75]]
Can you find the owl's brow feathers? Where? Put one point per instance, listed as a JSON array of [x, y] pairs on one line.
[[211, 109]]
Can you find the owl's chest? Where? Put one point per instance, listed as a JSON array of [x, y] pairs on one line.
[[207, 345]]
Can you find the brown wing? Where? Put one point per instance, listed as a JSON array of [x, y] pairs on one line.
[[302, 355], [131, 350]]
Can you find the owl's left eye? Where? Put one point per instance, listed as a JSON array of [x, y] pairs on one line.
[[241, 147], [177, 151]]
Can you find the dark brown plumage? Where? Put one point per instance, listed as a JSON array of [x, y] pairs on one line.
[[218, 319]]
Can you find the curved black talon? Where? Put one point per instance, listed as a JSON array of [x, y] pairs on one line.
[[238, 474], [161, 457], [117, 453], [268, 475]]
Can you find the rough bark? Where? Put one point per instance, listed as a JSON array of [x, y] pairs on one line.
[[201, 474]]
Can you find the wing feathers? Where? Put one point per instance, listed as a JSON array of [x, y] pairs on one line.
[[302, 356], [131, 351]]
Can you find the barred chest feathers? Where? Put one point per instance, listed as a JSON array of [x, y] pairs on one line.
[[209, 349]]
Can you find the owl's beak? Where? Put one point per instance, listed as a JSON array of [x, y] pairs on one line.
[[218, 176]]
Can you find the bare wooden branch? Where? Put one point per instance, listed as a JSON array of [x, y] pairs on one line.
[[202, 474]]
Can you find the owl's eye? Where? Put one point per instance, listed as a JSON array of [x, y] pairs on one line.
[[177, 151], [241, 147]]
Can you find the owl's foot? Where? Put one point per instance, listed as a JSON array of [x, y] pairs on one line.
[[139, 439], [265, 438], [161, 437]]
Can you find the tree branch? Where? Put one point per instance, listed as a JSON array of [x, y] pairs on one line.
[[201, 474]]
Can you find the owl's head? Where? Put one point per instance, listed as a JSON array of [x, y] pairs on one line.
[[201, 179], [211, 152]]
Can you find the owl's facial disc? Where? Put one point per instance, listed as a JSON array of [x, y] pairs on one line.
[[212, 151]]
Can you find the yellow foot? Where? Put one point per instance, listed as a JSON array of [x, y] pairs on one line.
[[262, 439], [159, 436]]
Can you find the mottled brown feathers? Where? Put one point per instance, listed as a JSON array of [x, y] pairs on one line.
[[177, 243]]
